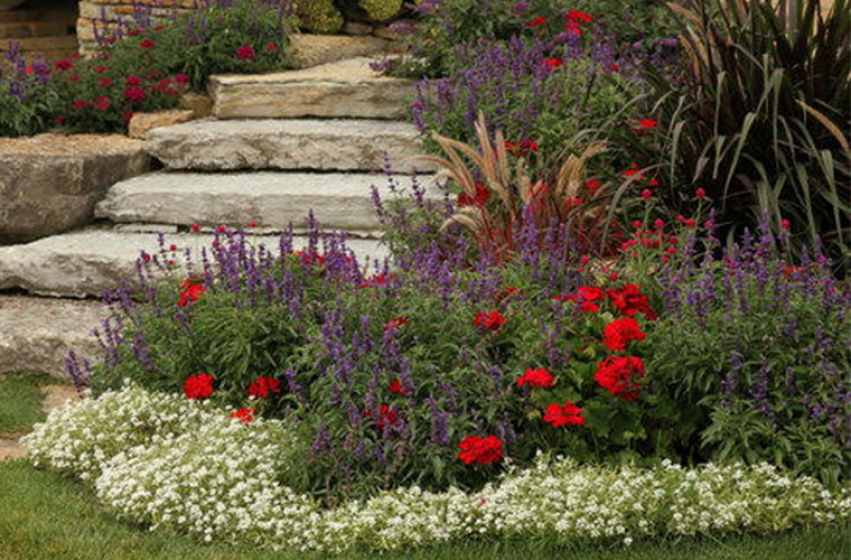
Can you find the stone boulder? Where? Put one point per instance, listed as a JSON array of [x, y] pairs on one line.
[[50, 183]]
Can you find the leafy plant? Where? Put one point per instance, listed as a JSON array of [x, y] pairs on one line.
[[759, 125]]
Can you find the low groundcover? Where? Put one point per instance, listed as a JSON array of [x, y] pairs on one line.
[[191, 467]]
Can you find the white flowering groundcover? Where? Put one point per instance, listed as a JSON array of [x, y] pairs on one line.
[[187, 467]]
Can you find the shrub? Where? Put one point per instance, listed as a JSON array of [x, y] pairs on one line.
[[758, 125], [754, 348], [319, 16], [220, 480]]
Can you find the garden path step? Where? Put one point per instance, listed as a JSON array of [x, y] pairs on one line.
[[339, 201], [310, 144], [343, 89], [86, 262], [36, 334]]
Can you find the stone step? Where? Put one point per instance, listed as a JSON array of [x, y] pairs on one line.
[[86, 262], [339, 201], [36, 334], [344, 89], [322, 145]]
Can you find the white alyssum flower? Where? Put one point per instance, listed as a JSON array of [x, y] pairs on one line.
[[186, 466]]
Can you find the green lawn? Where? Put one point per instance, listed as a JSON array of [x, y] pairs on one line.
[[45, 516], [20, 402]]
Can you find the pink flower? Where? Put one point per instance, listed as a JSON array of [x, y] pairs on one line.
[[646, 194], [245, 52], [700, 193], [135, 94], [182, 78]]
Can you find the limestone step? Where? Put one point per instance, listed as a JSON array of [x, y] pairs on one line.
[[86, 262], [323, 145], [339, 201], [344, 89], [36, 334]]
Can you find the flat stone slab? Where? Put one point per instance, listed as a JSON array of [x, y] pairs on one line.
[[36, 334], [86, 262], [314, 50], [339, 201], [322, 145], [50, 183], [344, 89]]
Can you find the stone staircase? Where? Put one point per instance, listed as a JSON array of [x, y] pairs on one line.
[[277, 147]]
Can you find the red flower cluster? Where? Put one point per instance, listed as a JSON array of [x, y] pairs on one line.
[[263, 386], [537, 22], [481, 451], [587, 297], [574, 20], [552, 63], [536, 378], [492, 321], [522, 148], [564, 415], [386, 416], [197, 387], [481, 196], [629, 300], [397, 387], [646, 125], [618, 333], [620, 375], [244, 415], [191, 291], [395, 323]]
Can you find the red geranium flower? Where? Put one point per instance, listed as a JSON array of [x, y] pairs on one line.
[[592, 185], [629, 300], [536, 378], [481, 451], [552, 63], [582, 17], [271, 47], [197, 387], [64, 65], [133, 81], [105, 82], [182, 78], [386, 416], [146, 43], [521, 148], [191, 294], [80, 104], [492, 321], [567, 415], [244, 415], [394, 323], [245, 52], [262, 386], [100, 69], [586, 296], [396, 387], [618, 333], [537, 22], [620, 375]]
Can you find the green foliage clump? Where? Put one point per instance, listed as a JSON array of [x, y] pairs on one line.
[[381, 10], [319, 16]]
